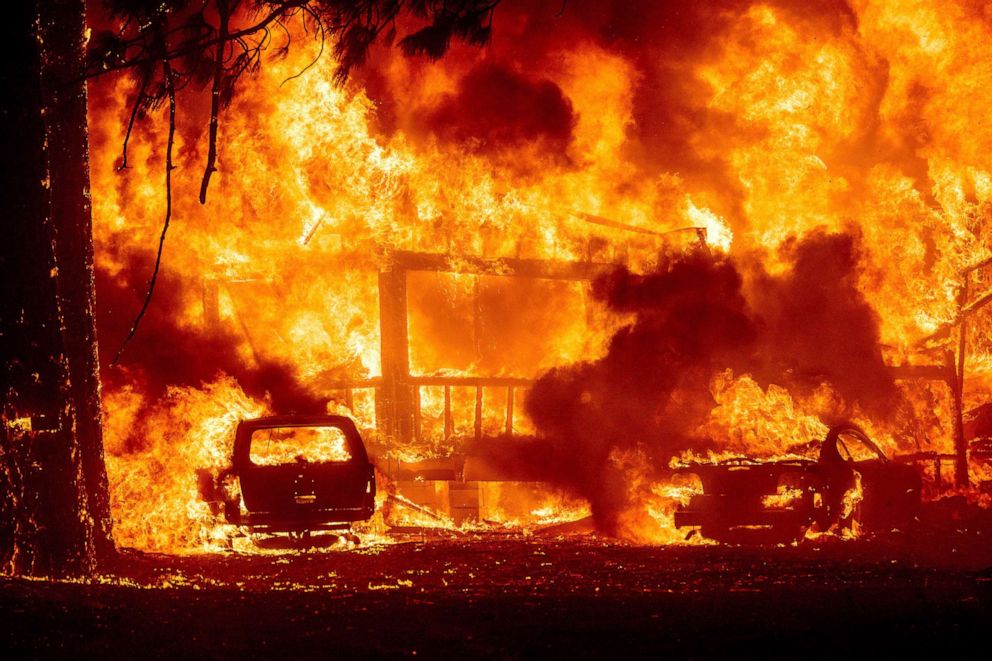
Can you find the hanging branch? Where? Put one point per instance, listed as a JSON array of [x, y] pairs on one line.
[[121, 60], [138, 101], [171, 92], [320, 33], [211, 167], [144, 41]]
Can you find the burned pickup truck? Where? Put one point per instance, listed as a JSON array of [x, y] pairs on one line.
[[851, 483], [295, 474]]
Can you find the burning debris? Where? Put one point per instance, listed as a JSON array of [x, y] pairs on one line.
[[591, 326], [640, 236], [852, 486], [808, 329]]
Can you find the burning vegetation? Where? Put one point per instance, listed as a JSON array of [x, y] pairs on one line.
[[545, 275]]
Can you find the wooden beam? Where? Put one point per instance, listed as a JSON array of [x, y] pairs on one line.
[[607, 222], [974, 306], [965, 311], [416, 413], [960, 443], [976, 266], [471, 381], [448, 422], [211, 303], [927, 372], [397, 400], [478, 413], [403, 260]]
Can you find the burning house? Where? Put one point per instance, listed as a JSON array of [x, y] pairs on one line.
[[542, 275], [496, 327]]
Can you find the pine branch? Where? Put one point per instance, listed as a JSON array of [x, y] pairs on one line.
[[211, 167], [138, 100], [171, 91]]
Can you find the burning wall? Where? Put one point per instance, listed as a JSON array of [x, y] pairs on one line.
[[835, 151]]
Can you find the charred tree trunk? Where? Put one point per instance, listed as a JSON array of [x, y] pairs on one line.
[[54, 504]]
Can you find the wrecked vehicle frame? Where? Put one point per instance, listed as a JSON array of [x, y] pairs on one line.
[[289, 491], [851, 483]]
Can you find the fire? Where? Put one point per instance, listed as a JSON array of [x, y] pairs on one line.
[[717, 233], [853, 498], [786, 498], [759, 421], [773, 125], [310, 444], [191, 429]]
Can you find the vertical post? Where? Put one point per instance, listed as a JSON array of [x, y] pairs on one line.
[[509, 411], [211, 303], [395, 411], [448, 423], [478, 412], [416, 412], [477, 318], [960, 443], [960, 464], [587, 309]]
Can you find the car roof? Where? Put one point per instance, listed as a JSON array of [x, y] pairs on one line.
[[297, 420]]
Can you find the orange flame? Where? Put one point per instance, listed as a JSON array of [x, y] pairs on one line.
[[876, 123]]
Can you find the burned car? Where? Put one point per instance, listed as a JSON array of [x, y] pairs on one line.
[[297, 474], [851, 483]]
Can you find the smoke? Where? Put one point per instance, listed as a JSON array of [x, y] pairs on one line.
[[509, 93], [695, 316], [758, 111], [817, 326], [167, 351], [497, 108]]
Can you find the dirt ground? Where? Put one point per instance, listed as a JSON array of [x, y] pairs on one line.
[[517, 596]]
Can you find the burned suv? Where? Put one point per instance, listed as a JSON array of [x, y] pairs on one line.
[[298, 473], [851, 483]]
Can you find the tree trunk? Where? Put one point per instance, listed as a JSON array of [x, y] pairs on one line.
[[54, 504]]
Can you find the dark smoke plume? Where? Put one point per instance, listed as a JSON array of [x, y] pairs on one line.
[[695, 316], [497, 108], [167, 353]]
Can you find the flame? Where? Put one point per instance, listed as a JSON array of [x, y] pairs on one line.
[[718, 234], [311, 444], [785, 499], [852, 499], [189, 430], [874, 122]]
